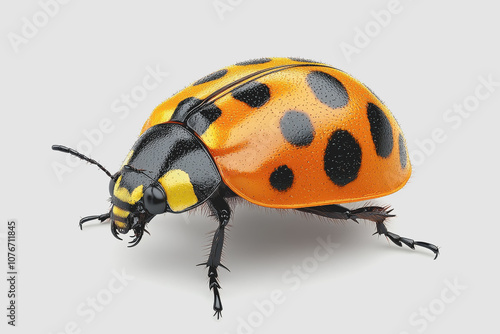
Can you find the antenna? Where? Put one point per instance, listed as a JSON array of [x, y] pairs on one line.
[[71, 151], [142, 171]]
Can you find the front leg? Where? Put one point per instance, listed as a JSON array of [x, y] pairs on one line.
[[222, 213]]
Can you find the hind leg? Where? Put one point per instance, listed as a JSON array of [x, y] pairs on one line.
[[375, 214]]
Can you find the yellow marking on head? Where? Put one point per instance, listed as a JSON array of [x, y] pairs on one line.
[[179, 190], [125, 196], [127, 158], [120, 224], [120, 212]]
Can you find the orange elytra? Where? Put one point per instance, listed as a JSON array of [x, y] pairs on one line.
[[338, 141]]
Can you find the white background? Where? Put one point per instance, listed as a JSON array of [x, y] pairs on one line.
[[64, 79]]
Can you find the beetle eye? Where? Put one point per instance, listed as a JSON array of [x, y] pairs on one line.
[[112, 186], [155, 200]]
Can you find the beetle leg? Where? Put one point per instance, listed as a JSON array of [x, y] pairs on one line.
[[375, 214], [381, 229], [222, 212], [101, 218]]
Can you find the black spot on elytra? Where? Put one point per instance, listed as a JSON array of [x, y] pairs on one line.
[[211, 77], [254, 61], [328, 89], [381, 130], [342, 158], [253, 93], [202, 119], [282, 178], [183, 109], [402, 152], [296, 127], [303, 60]]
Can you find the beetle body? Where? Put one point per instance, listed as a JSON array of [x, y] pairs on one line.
[[290, 134], [279, 132]]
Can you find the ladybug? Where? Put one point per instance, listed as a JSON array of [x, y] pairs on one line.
[[282, 133]]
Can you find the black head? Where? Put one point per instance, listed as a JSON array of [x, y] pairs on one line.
[[167, 170]]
